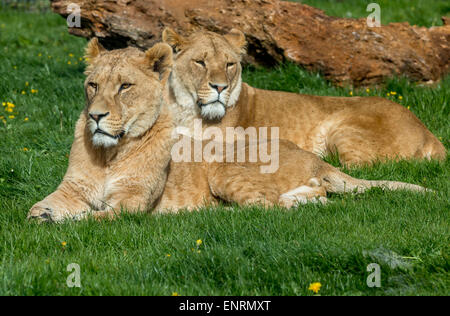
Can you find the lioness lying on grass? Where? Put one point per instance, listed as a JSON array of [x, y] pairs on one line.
[[206, 82], [121, 154]]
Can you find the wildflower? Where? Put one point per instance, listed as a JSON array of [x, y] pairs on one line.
[[4, 103], [388, 94], [70, 55], [393, 92], [25, 149], [15, 67], [34, 91], [174, 294], [27, 84], [23, 92], [440, 137], [8, 109], [409, 107], [69, 62], [351, 93], [64, 244], [168, 255], [40, 55], [315, 287], [25, 119], [80, 59], [367, 90], [400, 97], [199, 242], [11, 117]]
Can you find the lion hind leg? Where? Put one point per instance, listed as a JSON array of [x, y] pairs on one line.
[[314, 192]]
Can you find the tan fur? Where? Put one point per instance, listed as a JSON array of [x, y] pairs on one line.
[[359, 129], [132, 173], [302, 178], [129, 171]]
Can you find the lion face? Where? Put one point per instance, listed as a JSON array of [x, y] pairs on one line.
[[124, 91], [207, 70]]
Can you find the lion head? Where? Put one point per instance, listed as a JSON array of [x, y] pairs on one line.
[[124, 90], [207, 70]]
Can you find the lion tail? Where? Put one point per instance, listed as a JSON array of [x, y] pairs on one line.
[[336, 181]]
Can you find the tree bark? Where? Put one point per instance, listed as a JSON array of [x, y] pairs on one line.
[[345, 51]]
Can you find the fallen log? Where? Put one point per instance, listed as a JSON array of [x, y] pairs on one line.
[[345, 51]]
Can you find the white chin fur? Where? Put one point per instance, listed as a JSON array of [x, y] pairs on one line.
[[213, 111], [101, 140]]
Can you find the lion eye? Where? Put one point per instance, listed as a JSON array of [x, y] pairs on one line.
[[230, 65], [125, 86], [200, 62], [93, 85]]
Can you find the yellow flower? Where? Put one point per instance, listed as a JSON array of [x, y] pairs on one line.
[[367, 90], [40, 54], [440, 137], [26, 119], [80, 59], [34, 91], [4, 103], [64, 244], [25, 149], [15, 67], [168, 255], [27, 84], [8, 109], [69, 62], [351, 93], [388, 94], [23, 92], [11, 117], [409, 107], [315, 287], [393, 92], [174, 294], [400, 97], [70, 55], [199, 242]]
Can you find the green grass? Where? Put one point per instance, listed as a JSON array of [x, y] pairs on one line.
[[244, 251], [416, 12]]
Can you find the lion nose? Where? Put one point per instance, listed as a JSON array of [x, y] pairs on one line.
[[97, 117], [218, 87]]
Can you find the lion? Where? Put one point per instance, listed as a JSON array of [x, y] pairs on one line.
[[117, 157], [206, 82], [121, 155]]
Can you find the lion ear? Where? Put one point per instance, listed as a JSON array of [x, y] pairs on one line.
[[159, 59], [237, 39], [93, 50], [172, 38]]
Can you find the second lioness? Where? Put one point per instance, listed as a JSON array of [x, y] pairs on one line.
[[206, 83]]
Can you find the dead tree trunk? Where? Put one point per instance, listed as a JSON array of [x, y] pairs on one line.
[[345, 51]]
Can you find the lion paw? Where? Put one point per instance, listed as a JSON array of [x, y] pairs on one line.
[[45, 213]]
